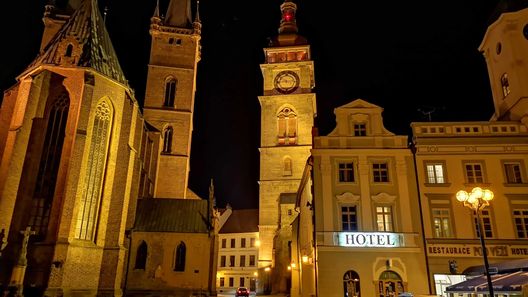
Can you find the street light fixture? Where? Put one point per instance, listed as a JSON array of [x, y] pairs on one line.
[[476, 200]]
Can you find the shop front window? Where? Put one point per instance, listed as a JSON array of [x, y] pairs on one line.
[[390, 284]]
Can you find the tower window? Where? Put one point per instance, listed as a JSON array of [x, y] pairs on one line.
[[167, 140], [170, 92], [69, 50], [287, 166], [505, 85], [287, 126]]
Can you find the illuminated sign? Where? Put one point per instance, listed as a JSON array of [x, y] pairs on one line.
[[474, 250], [370, 239]]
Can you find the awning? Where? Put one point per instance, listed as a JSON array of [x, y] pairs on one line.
[[508, 282], [500, 267]]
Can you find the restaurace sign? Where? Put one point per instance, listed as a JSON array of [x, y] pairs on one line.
[[469, 250], [369, 239]]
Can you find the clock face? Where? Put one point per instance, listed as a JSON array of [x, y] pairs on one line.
[[286, 82]]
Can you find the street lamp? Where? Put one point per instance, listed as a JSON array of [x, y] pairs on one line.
[[476, 200]]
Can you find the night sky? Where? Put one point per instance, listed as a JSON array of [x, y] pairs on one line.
[[409, 57]]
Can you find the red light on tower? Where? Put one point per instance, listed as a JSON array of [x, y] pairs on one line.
[[288, 16]]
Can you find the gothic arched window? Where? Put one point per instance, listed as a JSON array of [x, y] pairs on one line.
[[95, 170], [170, 92], [49, 164], [505, 83], [167, 139], [179, 259], [69, 50], [287, 126], [141, 256]]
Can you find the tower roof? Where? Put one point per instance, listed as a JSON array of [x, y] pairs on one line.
[[179, 14], [83, 42], [288, 27]]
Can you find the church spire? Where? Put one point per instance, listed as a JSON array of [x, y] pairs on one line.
[[179, 14], [156, 10], [197, 24]]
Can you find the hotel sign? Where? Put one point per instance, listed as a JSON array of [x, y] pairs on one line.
[[370, 239], [474, 250]]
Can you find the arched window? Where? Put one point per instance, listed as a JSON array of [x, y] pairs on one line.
[[505, 85], [141, 256], [170, 92], [69, 50], [179, 259], [287, 126], [57, 116], [95, 170], [390, 284], [351, 284], [287, 166], [167, 140]]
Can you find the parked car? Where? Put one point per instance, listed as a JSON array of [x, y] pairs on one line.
[[242, 291]]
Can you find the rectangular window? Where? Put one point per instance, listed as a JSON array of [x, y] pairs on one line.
[[474, 173], [441, 222], [349, 218], [224, 241], [513, 173], [520, 216], [231, 261], [384, 218], [233, 243], [222, 261], [380, 172], [222, 281], [252, 242], [435, 173], [231, 282], [252, 260], [485, 223], [241, 282], [243, 243], [346, 172], [242, 261], [360, 130]]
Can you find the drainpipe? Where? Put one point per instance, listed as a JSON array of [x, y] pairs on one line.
[[413, 150]]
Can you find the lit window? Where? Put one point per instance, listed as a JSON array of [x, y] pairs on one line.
[[505, 85], [346, 172], [287, 126], [384, 218], [441, 222], [380, 172], [435, 173], [474, 173], [520, 217], [360, 129], [252, 242], [349, 218], [170, 92], [485, 222], [513, 173]]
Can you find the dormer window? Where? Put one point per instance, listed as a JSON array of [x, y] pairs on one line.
[[505, 85], [360, 129]]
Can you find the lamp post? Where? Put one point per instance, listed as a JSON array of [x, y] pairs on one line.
[[476, 200]]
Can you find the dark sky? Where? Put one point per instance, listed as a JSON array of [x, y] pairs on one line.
[[408, 57]]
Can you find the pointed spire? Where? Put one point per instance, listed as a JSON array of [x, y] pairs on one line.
[[179, 14], [197, 24], [156, 10], [49, 9], [82, 42]]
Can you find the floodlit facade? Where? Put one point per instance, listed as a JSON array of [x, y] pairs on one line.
[[453, 156]]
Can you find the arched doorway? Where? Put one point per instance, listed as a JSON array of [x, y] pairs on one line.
[[390, 284], [351, 284]]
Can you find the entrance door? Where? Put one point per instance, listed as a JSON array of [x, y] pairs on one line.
[[390, 284]]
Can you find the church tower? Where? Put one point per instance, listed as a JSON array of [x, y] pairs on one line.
[[288, 108], [170, 90], [505, 48]]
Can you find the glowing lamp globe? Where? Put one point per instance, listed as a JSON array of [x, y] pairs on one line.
[[487, 195], [477, 192], [462, 196]]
